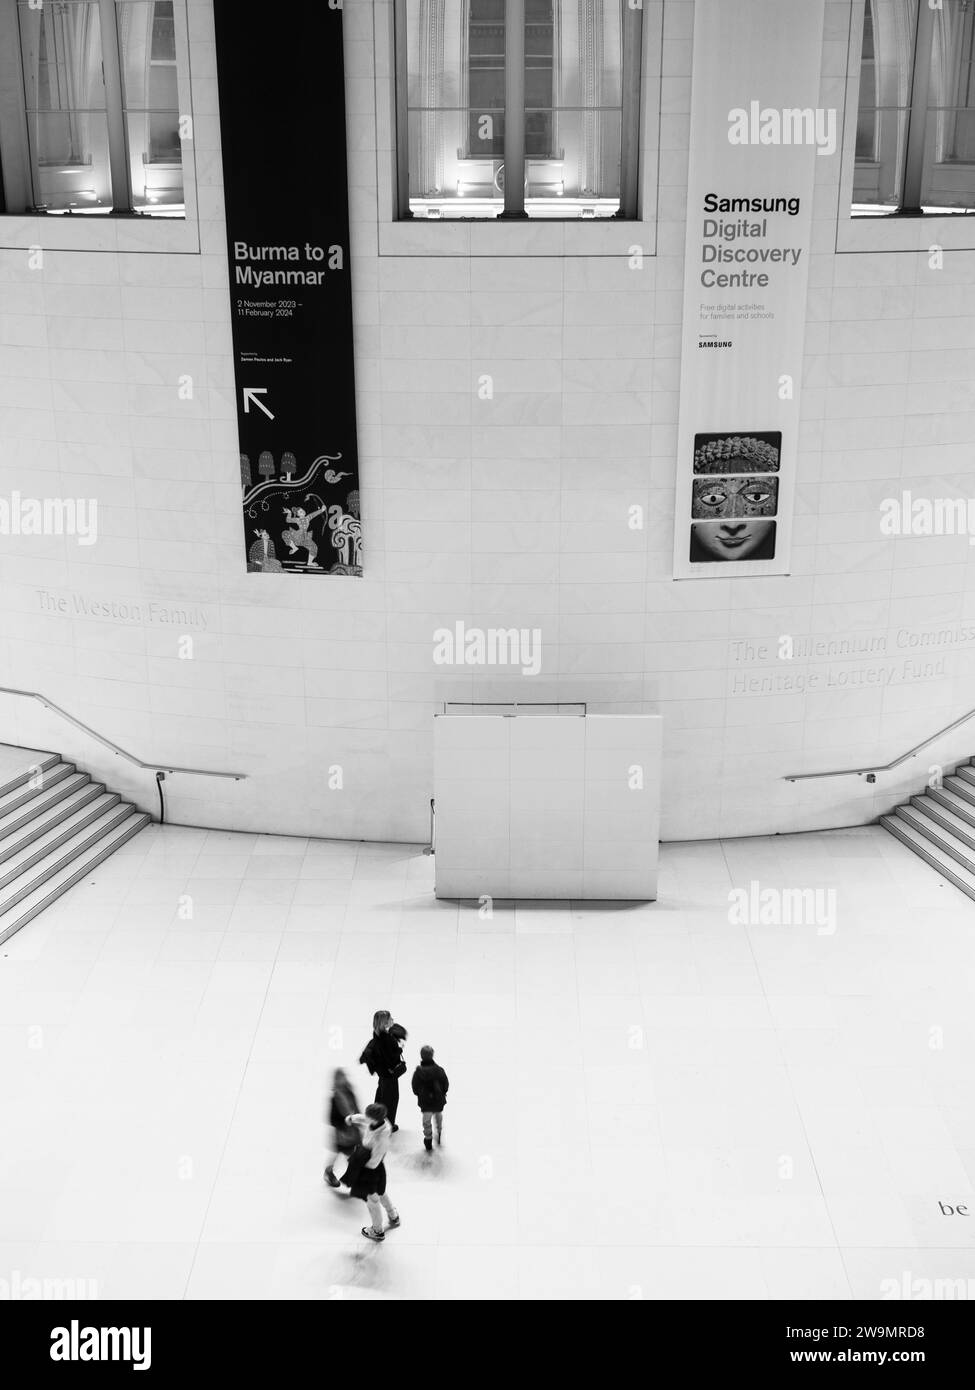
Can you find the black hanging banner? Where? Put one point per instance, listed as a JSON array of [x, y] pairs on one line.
[[282, 123]]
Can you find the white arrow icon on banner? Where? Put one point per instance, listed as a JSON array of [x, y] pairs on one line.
[[251, 394]]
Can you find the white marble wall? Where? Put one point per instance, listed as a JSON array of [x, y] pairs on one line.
[[547, 806], [505, 512]]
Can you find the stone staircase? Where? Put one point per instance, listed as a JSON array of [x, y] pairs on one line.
[[940, 826], [56, 824]]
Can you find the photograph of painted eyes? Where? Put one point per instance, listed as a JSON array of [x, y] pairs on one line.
[[734, 497]]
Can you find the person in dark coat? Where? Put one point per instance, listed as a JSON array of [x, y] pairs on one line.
[[365, 1176], [343, 1103], [430, 1087], [383, 1056]]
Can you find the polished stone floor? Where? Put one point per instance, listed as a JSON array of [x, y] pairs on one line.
[[681, 1099]]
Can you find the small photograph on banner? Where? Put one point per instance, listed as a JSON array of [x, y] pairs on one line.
[[735, 496], [717, 498], [757, 452], [738, 540]]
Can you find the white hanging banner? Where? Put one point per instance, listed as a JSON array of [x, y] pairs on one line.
[[757, 133]]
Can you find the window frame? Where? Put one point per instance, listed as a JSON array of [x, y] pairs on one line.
[[633, 122], [467, 69], [904, 229], [109, 231]]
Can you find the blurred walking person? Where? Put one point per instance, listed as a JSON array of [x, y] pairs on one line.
[[345, 1136]]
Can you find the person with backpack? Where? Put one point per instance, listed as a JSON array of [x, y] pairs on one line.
[[430, 1087], [343, 1103], [383, 1056]]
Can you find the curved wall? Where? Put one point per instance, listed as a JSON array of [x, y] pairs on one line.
[[507, 512]]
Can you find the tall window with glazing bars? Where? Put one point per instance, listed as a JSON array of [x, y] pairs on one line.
[[518, 108], [915, 147], [90, 108]]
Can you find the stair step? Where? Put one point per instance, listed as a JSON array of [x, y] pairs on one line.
[[945, 865], [24, 792], [965, 791], [961, 806], [944, 816], [966, 772], [58, 858], [57, 812], [47, 890], [92, 814], [944, 839], [42, 801], [44, 761]]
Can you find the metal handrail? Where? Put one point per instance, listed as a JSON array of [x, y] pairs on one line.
[[871, 772], [107, 742]]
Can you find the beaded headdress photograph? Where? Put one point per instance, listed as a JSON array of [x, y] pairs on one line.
[[757, 453]]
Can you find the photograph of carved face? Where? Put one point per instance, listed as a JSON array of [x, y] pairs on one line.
[[734, 538], [735, 496], [756, 452]]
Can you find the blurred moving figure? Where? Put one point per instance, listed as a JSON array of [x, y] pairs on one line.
[[345, 1136]]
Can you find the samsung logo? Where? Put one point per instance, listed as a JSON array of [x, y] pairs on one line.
[[712, 345]]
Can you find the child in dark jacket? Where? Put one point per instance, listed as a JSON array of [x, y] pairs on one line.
[[430, 1086]]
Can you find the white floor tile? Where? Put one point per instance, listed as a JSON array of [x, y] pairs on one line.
[[646, 1102]]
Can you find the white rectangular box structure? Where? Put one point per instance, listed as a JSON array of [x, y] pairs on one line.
[[547, 806]]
